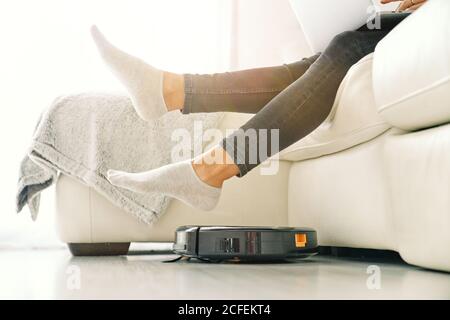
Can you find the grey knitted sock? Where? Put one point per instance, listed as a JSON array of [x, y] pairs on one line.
[[177, 180], [143, 82]]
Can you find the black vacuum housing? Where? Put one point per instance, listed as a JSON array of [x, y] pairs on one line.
[[218, 243]]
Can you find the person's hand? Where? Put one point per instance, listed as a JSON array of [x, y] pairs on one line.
[[406, 4]]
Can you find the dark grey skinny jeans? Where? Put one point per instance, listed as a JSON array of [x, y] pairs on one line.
[[294, 98]]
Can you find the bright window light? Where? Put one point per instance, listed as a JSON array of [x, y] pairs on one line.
[[46, 51]]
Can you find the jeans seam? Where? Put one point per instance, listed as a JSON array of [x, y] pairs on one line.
[[234, 91], [289, 72], [310, 95], [187, 108]]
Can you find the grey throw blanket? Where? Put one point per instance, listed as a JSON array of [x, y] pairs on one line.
[[85, 135]]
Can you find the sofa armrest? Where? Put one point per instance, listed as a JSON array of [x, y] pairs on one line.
[[411, 72]]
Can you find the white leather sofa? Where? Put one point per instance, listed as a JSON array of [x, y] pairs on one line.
[[375, 175]]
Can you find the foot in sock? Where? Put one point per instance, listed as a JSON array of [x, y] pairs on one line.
[[143, 82], [177, 180]]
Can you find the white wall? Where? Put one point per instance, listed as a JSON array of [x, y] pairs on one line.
[[46, 51], [267, 34]]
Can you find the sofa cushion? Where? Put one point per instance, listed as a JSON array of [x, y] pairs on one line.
[[352, 120], [411, 74]]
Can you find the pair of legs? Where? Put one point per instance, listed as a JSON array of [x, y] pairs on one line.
[[293, 100]]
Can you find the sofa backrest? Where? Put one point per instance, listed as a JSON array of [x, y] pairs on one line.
[[411, 69]]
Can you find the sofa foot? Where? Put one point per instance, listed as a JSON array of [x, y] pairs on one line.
[[99, 249]]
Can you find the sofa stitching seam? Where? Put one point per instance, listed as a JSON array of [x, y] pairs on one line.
[[435, 85]]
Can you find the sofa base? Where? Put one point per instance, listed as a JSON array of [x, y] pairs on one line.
[[122, 248], [90, 217], [390, 193], [99, 249]]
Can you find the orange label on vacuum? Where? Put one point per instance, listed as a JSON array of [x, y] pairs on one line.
[[300, 240]]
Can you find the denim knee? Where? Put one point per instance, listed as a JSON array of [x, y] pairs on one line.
[[346, 38], [348, 47], [356, 42]]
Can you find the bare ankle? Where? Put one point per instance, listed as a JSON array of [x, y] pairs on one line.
[[215, 174], [173, 91]]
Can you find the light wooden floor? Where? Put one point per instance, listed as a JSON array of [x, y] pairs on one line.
[[54, 274]]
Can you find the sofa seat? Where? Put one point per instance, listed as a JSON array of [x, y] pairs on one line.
[[91, 218]]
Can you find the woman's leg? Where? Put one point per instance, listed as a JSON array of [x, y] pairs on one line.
[[293, 114], [246, 91], [306, 103], [154, 92], [302, 106]]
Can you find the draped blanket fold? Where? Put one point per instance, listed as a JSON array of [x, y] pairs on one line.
[[85, 135]]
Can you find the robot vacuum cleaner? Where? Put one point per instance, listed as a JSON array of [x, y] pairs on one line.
[[219, 243]]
